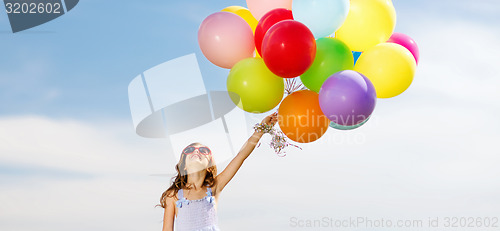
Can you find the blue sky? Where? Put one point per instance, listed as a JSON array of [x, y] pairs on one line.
[[79, 65], [66, 131]]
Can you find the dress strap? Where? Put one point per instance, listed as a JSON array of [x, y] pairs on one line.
[[180, 194], [209, 196], [181, 199]]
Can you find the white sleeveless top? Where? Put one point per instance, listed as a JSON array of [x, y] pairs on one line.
[[196, 215]]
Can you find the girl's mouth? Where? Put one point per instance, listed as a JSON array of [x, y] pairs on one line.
[[197, 155]]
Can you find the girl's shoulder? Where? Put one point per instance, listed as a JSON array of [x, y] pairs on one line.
[[172, 194], [170, 202], [168, 199]]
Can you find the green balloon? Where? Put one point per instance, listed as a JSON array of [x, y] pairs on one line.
[[332, 56], [342, 127], [259, 89]]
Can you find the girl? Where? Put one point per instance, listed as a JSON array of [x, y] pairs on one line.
[[191, 199]]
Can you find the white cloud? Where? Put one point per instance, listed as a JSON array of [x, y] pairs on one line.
[[73, 145], [478, 7], [74, 175], [457, 61]]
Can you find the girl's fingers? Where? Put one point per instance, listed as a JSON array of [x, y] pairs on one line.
[[272, 119]]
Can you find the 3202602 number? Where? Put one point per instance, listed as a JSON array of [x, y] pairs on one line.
[[33, 8], [476, 222]]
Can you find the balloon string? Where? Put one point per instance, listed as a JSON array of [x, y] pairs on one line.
[[291, 86], [278, 140]]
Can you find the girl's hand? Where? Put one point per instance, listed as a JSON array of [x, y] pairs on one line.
[[271, 119]]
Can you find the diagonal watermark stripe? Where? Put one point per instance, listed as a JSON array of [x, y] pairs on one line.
[[170, 101]]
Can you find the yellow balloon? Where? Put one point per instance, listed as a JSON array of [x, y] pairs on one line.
[[389, 66], [368, 23], [259, 90], [243, 13], [257, 54]]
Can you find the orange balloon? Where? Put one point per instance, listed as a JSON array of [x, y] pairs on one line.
[[300, 117]]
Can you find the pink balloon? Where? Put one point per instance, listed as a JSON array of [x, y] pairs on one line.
[[225, 39], [407, 42], [259, 8]]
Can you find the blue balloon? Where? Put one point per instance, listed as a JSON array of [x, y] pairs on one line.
[[356, 55], [322, 17]]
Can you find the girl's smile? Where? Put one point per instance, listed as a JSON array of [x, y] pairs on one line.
[[191, 156]]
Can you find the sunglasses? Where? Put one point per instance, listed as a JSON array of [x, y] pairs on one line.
[[202, 150]]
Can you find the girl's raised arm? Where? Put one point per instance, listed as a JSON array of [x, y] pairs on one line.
[[225, 176]]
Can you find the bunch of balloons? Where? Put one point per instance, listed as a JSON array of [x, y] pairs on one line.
[[344, 52]]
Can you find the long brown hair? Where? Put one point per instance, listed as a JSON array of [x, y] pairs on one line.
[[180, 181]]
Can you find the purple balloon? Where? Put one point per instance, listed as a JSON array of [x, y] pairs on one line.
[[347, 98]]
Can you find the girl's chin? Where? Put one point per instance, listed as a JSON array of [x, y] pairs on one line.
[[197, 166], [194, 170]]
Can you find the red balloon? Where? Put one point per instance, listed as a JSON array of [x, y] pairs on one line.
[[288, 48], [267, 21]]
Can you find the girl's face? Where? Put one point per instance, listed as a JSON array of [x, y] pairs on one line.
[[197, 157]]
